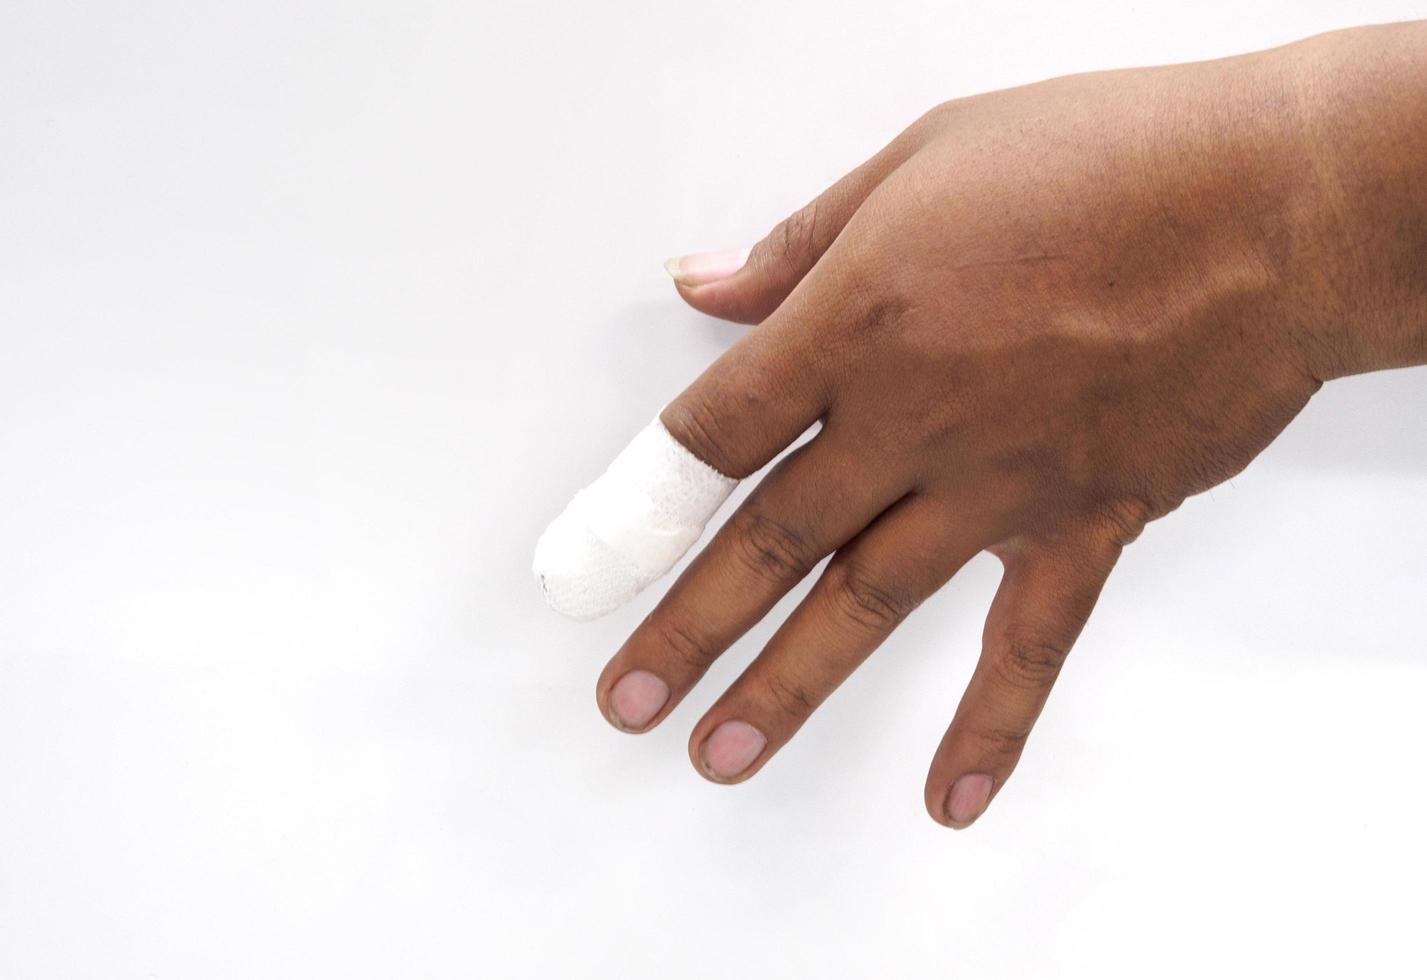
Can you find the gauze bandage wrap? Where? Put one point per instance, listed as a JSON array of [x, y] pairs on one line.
[[629, 527]]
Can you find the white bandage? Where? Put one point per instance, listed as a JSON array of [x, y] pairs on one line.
[[629, 527]]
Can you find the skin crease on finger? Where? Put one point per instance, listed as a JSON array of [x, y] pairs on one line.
[[1040, 320]]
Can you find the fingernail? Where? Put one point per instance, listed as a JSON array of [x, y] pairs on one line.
[[732, 748], [635, 699], [702, 268], [967, 798]]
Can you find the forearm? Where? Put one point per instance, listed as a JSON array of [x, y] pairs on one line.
[[1364, 98]]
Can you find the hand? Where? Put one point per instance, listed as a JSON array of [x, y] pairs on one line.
[[1036, 321]]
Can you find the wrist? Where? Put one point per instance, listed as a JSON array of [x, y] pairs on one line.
[[1361, 254]]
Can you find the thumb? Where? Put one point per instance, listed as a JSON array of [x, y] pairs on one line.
[[747, 285]]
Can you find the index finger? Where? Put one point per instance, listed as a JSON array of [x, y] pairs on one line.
[[632, 525]]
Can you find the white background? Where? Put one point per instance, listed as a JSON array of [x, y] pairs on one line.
[[314, 314]]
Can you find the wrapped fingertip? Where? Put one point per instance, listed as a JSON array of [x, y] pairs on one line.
[[581, 576], [629, 527]]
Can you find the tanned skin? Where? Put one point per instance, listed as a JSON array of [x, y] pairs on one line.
[[1036, 321]]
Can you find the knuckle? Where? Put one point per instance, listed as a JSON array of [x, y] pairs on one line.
[[795, 239], [694, 422], [862, 601], [1028, 662], [1125, 518], [771, 549], [788, 697], [686, 646]]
